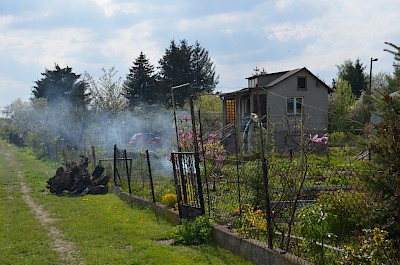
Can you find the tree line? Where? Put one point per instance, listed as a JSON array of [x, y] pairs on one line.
[[182, 63]]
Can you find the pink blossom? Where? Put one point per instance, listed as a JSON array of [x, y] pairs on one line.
[[212, 135]]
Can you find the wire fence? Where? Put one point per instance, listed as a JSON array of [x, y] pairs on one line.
[[143, 173], [236, 196], [317, 196]]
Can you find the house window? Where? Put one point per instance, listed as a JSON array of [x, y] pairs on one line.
[[301, 83], [230, 105], [293, 106]]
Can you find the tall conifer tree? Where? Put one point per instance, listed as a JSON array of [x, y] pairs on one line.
[[183, 63], [61, 84], [140, 85]]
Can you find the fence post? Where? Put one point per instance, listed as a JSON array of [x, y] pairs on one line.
[[128, 173], [150, 176], [265, 175], [177, 184], [204, 165], [115, 164], [94, 156], [197, 158], [237, 172]]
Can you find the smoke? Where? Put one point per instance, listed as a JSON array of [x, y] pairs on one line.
[[64, 122]]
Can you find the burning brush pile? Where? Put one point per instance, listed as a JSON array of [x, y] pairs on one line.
[[75, 179]]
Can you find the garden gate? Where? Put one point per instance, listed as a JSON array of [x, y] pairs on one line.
[[189, 191]]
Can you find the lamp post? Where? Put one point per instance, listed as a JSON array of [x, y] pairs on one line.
[[173, 107], [370, 74], [369, 92]]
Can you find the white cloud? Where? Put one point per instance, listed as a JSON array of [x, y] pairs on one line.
[[6, 21], [127, 43], [225, 22], [289, 31], [283, 4], [111, 8], [42, 48]]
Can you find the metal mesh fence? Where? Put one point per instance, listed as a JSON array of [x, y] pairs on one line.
[[145, 174], [322, 206]]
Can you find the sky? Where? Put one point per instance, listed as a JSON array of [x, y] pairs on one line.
[[240, 36]]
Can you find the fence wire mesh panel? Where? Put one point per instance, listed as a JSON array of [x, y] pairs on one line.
[[240, 184], [122, 169], [320, 205], [150, 174]]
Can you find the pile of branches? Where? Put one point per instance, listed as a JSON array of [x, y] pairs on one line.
[[75, 179]]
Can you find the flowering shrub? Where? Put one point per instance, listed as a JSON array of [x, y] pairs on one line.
[[376, 248], [214, 151], [185, 135], [169, 200], [253, 223]]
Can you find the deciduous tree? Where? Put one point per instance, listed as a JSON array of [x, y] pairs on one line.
[[340, 104], [106, 93], [354, 74]]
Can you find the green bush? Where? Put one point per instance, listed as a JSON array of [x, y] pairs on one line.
[[337, 139], [194, 232], [315, 226], [350, 212]]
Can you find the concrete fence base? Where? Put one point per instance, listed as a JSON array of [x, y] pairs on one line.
[[253, 250]]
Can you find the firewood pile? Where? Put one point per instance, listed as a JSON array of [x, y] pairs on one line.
[[75, 179]]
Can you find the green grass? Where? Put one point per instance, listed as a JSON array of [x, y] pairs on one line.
[[103, 228], [22, 239]]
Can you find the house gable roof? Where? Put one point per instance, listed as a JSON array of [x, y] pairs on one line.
[[274, 78], [280, 76], [283, 77]]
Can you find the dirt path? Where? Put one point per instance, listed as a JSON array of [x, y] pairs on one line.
[[67, 251]]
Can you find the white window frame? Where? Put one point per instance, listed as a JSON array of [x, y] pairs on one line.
[[298, 103]]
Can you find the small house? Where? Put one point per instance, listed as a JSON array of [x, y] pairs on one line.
[[290, 101]]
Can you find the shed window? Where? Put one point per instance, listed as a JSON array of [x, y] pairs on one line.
[[302, 83]]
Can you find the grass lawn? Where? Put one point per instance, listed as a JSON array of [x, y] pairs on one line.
[[96, 229]]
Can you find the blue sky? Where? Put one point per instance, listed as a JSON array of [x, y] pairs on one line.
[[279, 35]]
